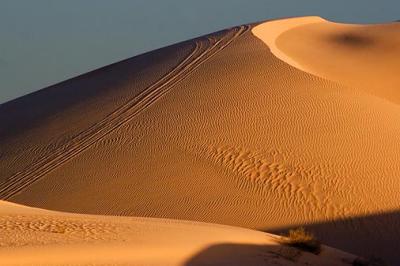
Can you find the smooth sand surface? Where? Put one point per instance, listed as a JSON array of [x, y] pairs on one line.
[[270, 31], [364, 57], [221, 129], [32, 236]]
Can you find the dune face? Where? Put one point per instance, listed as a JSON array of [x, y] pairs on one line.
[[39, 237], [359, 56], [252, 126]]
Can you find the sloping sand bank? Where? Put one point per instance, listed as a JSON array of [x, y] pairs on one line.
[[364, 57], [38, 237], [216, 129]]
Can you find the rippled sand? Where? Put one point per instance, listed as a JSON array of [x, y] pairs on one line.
[[38, 237], [268, 126]]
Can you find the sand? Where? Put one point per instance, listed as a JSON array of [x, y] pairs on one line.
[[31, 236], [363, 57], [252, 127]]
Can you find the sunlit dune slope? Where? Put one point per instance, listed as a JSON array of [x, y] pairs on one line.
[[224, 130], [361, 56], [38, 237]]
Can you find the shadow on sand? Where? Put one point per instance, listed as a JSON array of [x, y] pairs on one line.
[[370, 236], [242, 254], [247, 254], [375, 235]]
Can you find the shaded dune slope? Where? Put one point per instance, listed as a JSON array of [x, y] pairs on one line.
[[124, 90], [242, 138]]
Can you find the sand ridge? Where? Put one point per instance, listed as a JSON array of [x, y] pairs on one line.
[[33, 236], [270, 31], [359, 56], [201, 52], [244, 139]]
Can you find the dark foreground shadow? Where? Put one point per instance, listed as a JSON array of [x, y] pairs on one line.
[[230, 254], [375, 235], [246, 254]]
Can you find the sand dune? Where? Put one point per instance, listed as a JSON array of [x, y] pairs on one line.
[[359, 56], [39, 237], [254, 126]]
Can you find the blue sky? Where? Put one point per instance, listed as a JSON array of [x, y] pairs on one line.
[[46, 41]]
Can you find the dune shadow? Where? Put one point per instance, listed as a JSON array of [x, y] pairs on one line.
[[352, 39], [252, 254], [245, 254], [375, 235]]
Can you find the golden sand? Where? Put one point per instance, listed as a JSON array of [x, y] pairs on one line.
[[272, 126]]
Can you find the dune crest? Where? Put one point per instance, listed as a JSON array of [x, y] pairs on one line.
[[363, 57], [218, 129], [270, 31]]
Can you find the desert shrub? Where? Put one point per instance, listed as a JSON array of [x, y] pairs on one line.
[[369, 262], [301, 239]]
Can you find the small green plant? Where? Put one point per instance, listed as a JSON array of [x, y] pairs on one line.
[[301, 239], [369, 262]]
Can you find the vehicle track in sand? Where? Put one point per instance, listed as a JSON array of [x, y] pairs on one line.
[[205, 48]]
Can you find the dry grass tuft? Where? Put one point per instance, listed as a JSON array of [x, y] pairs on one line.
[[301, 239]]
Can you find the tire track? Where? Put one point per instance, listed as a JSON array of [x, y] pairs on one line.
[[205, 48]]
